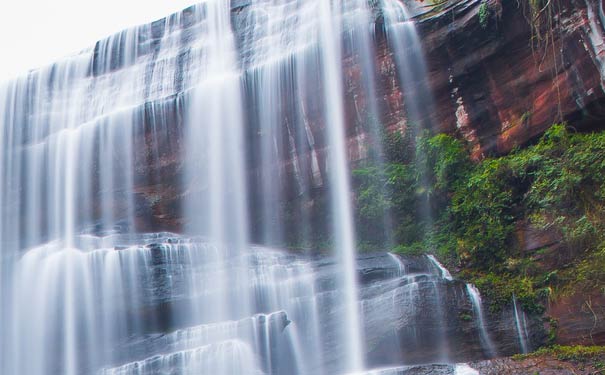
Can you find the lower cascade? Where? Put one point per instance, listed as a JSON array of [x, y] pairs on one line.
[[136, 307], [240, 112]]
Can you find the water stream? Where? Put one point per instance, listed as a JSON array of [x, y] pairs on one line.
[[520, 326], [486, 340], [442, 270]]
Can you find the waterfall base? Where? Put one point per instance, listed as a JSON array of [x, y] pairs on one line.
[[147, 304]]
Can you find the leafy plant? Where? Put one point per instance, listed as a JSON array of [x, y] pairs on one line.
[[483, 15], [437, 200]]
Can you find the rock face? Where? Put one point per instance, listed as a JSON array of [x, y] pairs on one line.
[[499, 85], [580, 319], [543, 365], [431, 318]]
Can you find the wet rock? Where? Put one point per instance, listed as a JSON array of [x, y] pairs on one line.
[[433, 318], [508, 91], [419, 370], [580, 319], [543, 365]]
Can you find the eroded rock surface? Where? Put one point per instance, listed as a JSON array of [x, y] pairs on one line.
[[499, 86], [543, 365], [580, 319]]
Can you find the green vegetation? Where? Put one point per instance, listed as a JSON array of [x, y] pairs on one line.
[[483, 15], [465, 317], [468, 213], [588, 359], [578, 353]]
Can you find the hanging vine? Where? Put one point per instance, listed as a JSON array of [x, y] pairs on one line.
[[541, 16]]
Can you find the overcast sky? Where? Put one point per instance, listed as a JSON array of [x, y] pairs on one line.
[[36, 32]]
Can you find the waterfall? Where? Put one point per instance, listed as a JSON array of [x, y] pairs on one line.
[[409, 57], [408, 53], [521, 327], [153, 188], [214, 159], [401, 269], [340, 186], [486, 341], [442, 270]]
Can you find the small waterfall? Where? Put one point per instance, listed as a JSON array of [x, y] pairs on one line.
[[521, 327], [440, 313], [486, 341], [442, 270], [401, 269]]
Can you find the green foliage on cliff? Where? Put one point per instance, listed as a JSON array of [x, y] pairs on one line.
[[567, 353], [411, 189], [467, 213]]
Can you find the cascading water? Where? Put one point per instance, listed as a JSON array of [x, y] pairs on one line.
[[401, 268], [409, 57], [475, 298], [214, 161], [408, 53], [521, 326], [344, 239], [232, 109], [442, 270]]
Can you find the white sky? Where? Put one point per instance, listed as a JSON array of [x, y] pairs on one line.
[[36, 32]]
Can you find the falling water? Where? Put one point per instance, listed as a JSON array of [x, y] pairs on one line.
[[359, 36], [205, 123], [413, 76], [465, 369], [486, 341], [442, 270], [411, 65], [340, 187], [65, 164], [215, 162], [521, 327], [440, 322], [401, 269]]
